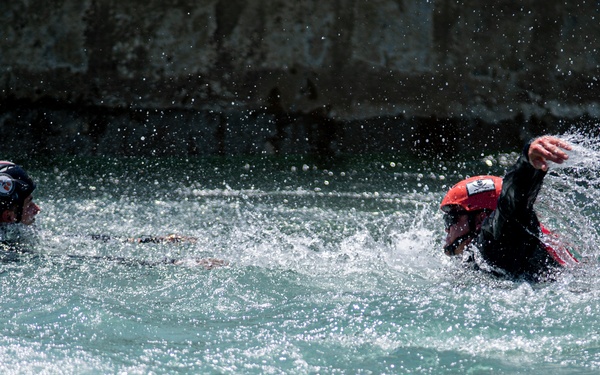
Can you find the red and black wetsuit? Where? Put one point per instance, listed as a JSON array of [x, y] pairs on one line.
[[509, 242]]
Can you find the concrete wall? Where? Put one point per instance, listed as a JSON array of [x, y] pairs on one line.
[[234, 76]]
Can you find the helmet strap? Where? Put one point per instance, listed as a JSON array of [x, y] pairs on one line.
[[19, 212], [472, 221]]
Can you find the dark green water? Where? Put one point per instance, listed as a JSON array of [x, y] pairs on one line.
[[334, 267]]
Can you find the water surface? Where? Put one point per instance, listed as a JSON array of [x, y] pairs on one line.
[[334, 267]]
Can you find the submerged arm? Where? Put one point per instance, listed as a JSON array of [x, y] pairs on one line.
[[207, 263], [171, 238]]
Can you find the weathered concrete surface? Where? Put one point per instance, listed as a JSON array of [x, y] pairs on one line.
[[235, 76]]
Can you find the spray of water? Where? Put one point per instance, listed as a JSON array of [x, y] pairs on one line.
[[347, 276], [570, 198]]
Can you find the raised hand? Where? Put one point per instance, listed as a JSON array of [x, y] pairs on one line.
[[547, 148]]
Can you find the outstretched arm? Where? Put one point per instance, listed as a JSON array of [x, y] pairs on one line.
[[171, 238], [509, 237], [547, 148], [207, 263]]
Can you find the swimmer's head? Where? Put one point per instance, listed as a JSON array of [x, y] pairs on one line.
[[16, 188], [465, 207]]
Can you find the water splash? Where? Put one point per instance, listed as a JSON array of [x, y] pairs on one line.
[[347, 277], [570, 197], [585, 153]]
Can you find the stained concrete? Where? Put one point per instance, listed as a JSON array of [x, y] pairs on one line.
[[226, 77]]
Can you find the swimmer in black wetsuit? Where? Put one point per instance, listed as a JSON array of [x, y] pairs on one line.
[[18, 207], [491, 222]]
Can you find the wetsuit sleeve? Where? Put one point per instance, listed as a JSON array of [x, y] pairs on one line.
[[520, 188]]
